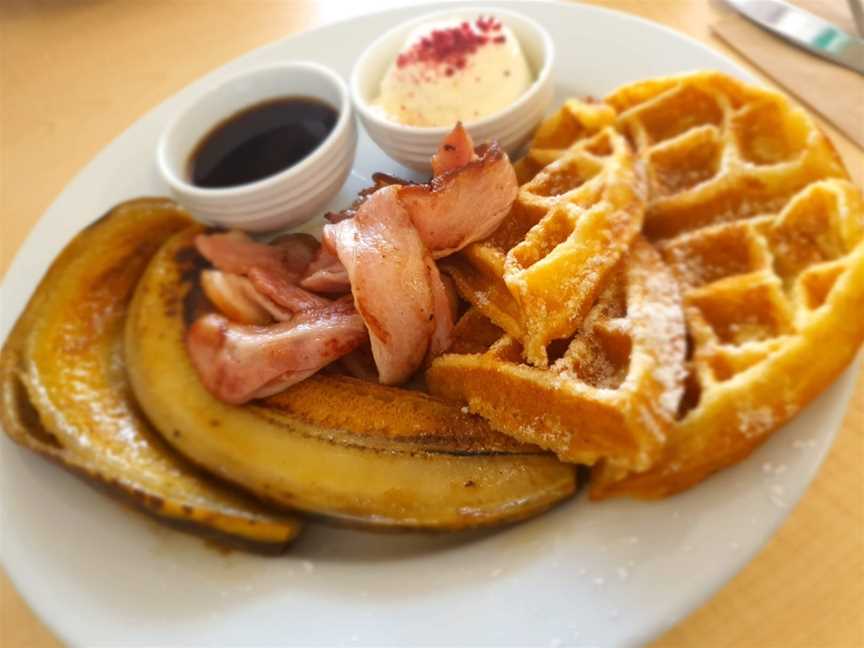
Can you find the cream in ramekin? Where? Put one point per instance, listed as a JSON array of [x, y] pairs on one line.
[[377, 74]]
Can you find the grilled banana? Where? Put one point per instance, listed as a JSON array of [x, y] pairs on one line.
[[65, 393], [338, 447]]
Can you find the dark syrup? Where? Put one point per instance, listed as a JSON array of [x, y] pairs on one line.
[[260, 141]]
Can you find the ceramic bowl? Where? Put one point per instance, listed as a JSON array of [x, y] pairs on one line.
[[413, 146], [279, 201]]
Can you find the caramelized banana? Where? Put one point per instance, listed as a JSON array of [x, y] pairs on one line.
[[65, 393], [334, 446]]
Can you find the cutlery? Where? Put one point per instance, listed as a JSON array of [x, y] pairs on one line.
[[805, 30]]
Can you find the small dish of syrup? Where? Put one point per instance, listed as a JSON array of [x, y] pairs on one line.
[[261, 141], [266, 150]]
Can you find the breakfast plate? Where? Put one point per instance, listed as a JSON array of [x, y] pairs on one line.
[[612, 573]]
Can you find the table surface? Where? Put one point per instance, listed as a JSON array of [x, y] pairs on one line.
[[74, 74]]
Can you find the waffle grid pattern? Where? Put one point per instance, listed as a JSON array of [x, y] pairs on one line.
[[612, 389], [572, 222], [752, 210]]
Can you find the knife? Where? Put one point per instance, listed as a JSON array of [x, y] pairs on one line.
[[805, 30]]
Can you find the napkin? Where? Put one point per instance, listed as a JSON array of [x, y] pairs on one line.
[[837, 93]]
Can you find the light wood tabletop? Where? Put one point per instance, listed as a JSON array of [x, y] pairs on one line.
[[76, 73]]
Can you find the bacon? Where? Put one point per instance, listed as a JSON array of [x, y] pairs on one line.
[[273, 270], [464, 202], [387, 264], [298, 250], [238, 362], [236, 297], [280, 288], [360, 364], [455, 151], [382, 248], [379, 181], [235, 252], [443, 312], [463, 205], [326, 274], [452, 295]]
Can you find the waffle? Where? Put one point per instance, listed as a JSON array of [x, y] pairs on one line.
[[574, 121], [541, 271], [612, 389], [774, 309], [752, 209]]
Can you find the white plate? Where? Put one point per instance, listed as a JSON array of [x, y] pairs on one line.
[[610, 574]]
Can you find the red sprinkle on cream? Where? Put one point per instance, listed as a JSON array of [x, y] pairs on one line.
[[453, 45]]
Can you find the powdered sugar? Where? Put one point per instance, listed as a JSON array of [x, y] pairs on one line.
[[755, 422]]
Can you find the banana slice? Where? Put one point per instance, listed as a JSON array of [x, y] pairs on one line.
[[65, 393], [335, 446]]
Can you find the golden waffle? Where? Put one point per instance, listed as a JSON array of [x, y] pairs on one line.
[[718, 150], [574, 121], [750, 205], [774, 309], [611, 391], [539, 274]]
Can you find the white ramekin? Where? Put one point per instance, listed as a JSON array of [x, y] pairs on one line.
[[285, 199], [413, 146]]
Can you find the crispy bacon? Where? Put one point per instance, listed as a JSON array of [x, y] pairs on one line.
[[463, 205], [238, 362], [387, 265], [455, 151]]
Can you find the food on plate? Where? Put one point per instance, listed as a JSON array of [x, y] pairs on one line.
[[240, 362], [274, 330], [260, 141], [381, 249], [538, 275], [235, 296], [335, 445], [454, 69], [466, 201], [753, 211], [330, 445], [574, 121], [393, 238], [665, 278], [612, 391], [66, 396], [456, 150], [325, 274]]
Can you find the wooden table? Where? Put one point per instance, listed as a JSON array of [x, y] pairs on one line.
[[76, 73]]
